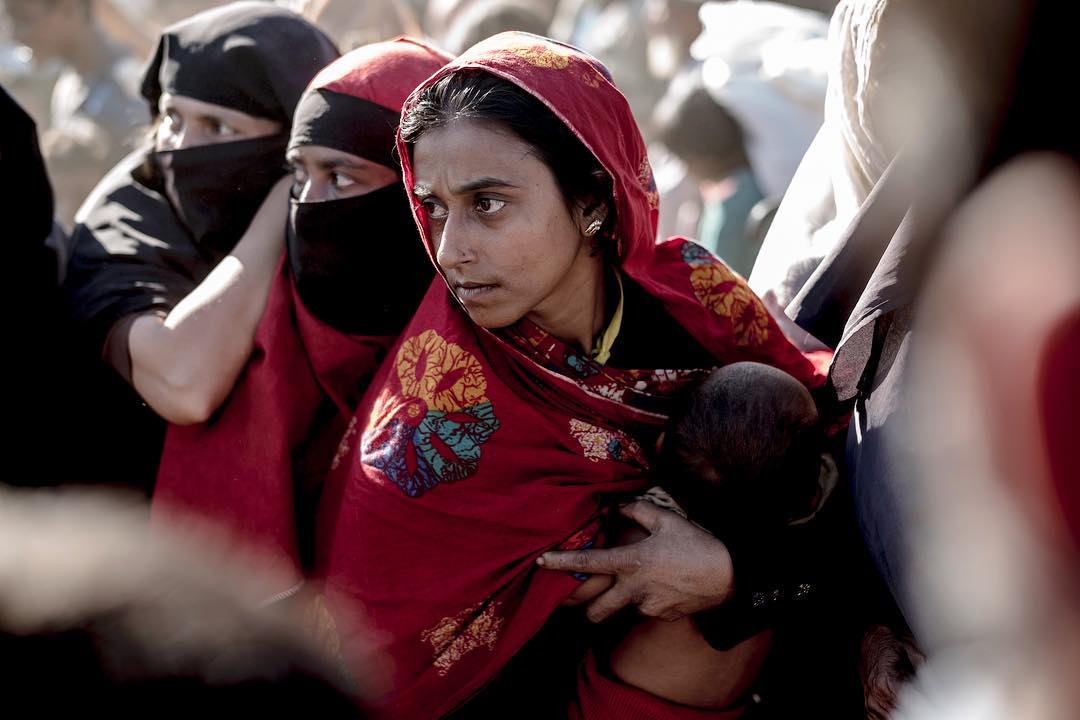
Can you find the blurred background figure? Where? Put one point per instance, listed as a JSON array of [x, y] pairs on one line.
[[616, 32], [94, 114], [766, 63], [701, 139], [847, 157], [351, 24], [474, 20], [745, 102]]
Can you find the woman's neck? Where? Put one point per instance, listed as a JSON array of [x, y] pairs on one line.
[[577, 312]]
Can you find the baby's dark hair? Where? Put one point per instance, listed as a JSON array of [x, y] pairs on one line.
[[745, 449]]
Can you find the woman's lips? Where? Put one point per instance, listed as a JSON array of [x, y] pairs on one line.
[[474, 291]]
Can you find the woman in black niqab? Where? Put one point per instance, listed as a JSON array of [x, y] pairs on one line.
[[175, 249]]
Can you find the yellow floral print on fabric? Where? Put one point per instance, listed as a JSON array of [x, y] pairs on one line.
[[542, 57], [600, 444], [433, 431], [443, 375], [454, 637], [720, 290], [648, 183]]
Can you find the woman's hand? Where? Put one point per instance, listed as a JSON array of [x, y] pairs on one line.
[[678, 570], [589, 589]]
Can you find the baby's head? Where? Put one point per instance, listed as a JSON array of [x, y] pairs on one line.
[[745, 449]]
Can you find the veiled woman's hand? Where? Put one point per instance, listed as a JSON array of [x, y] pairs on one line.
[[678, 570]]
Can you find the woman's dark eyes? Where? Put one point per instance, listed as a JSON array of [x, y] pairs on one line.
[[483, 206], [489, 206], [434, 210]]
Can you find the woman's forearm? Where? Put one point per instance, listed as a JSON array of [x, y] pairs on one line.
[[185, 365]]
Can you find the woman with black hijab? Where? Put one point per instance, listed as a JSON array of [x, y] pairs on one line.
[[354, 274], [173, 256]]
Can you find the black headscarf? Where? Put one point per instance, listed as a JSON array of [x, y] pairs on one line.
[[158, 223], [250, 56]]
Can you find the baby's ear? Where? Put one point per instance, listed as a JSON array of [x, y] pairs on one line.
[[828, 476]]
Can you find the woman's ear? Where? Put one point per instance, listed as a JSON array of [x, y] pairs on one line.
[[591, 216]]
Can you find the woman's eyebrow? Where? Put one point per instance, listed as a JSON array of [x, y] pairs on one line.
[[483, 183], [341, 162]]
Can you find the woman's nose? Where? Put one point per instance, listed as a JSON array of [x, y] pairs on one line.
[[453, 243]]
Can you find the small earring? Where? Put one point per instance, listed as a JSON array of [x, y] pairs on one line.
[[594, 227]]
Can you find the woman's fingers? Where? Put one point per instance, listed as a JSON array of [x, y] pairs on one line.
[[609, 603], [589, 590], [608, 561]]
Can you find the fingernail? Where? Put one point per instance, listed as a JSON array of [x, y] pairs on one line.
[[540, 560]]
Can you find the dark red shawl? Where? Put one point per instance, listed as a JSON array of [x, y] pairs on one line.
[[474, 452]]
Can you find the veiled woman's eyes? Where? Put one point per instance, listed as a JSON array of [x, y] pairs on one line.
[[172, 121], [341, 180], [222, 129]]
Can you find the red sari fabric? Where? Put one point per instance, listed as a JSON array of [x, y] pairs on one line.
[[474, 452], [239, 469]]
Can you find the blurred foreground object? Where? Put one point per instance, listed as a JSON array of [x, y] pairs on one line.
[[99, 611], [995, 575]]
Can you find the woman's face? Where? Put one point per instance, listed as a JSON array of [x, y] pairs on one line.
[[503, 235], [185, 122], [322, 173]]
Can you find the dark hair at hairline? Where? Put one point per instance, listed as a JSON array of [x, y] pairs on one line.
[[480, 96]]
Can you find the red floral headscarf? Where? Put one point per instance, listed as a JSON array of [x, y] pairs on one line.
[[474, 452]]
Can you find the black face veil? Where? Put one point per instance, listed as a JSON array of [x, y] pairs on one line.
[[357, 262]]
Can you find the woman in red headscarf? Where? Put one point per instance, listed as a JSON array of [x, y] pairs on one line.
[[353, 275], [529, 389]]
